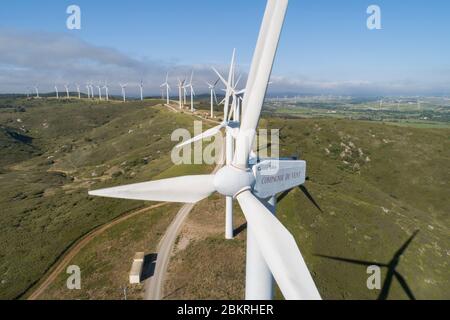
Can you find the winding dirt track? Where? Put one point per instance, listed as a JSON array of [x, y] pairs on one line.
[[79, 245]]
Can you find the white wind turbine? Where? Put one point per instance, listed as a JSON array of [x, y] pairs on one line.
[[99, 87], [92, 90], [57, 93], [36, 89], [88, 90], [184, 93], [141, 87], [124, 94], [67, 91], [180, 92], [271, 249], [167, 86], [78, 90], [212, 89], [237, 99], [192, 92], [106, 91]]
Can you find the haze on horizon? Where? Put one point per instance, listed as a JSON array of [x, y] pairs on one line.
[[326, 46]]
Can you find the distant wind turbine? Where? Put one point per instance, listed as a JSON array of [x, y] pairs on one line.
[[67, 90], [141, 87], [212, 88], [57, 93], [167, 86], [124, 94], [92, 90], [88, 90], [192, 92], [180, 92], [106, 91], [36, 89], [99, 87], [78, 90]]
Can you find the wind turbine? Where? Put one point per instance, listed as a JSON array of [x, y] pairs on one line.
[[271, 249], [184, 93], [36, 89], [57, 93], [212, 89], [236, 101], [88, 90], [106, 91], [180, 92], [92, 90], [166, 84], [191, 88], [99, 87], [78, 90], [124, 94], [67, 91], [141, 87]]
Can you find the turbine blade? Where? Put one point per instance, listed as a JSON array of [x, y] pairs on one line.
[[259, 77], [208, 133], [187, 189], [279, 249], [220, 77]]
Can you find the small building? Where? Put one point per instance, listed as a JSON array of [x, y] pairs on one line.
[[136, 268]]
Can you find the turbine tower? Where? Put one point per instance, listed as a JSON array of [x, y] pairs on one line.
[[192, 92], [166, 85], [92, 90], [212, 89], [106, 91], [78, 90], [141, 87], [180, 92], [271, 249], [36, 89], [88, 90], [57, 93], [99, 87], [67, 91], [124, 95]]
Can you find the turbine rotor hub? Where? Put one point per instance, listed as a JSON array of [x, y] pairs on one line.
[[229, 181]]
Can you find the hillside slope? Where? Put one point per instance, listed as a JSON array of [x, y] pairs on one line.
[[376, 185], [51, 155]]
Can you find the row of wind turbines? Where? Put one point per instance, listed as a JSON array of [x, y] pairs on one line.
[[230, 85], [102, 91]]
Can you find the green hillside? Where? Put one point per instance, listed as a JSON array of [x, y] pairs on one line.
[[376, 184], [51, 153]]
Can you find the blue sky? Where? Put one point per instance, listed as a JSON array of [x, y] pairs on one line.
[[325, 48]]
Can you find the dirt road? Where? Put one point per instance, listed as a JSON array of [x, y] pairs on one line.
[[61, 265]]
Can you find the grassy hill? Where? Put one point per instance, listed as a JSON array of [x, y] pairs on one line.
[[51, 153], [376, 184]]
